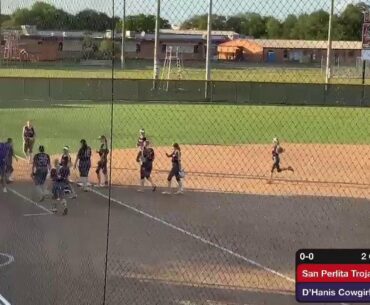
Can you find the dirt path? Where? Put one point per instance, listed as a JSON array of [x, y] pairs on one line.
[[320, 170]]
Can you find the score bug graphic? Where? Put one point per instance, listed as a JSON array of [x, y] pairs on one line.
[[333, 276]]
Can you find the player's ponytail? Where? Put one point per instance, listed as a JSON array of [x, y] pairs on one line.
[[177, 146]]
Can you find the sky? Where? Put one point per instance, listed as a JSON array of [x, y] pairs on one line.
[[177, 11]]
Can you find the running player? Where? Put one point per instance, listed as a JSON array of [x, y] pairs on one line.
[[176, 169], [9, 162], [40, 168], [29, 136], [276, 151], [60, 177], [84, 163], [4, 152], [103, 162], [146, 157]]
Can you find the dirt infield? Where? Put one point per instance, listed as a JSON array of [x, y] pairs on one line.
[[320, 170]]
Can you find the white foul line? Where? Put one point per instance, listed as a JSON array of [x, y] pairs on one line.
[[3, 300], [30, 201], [39, 214], [197, 237], [9, 261]]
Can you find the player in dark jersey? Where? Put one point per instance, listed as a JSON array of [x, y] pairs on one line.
[[66, 157], [9, 162], [4, 153], [29, 136], [103, 162], [60, 178], [276, 151], [146, 157], [84, 163], [40, 168], [66, 160], [175, 170]]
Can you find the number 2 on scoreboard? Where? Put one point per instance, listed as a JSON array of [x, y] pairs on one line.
[[365, 256]]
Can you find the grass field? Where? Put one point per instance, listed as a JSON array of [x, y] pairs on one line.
[[256, 74], [58, 125]]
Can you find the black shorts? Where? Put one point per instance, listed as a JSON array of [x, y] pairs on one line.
[[2, 169], [175, 172], [9, 169], [40, 176], [146, 171], [276, 165], [102, 166], [84, 168], [28, 144]]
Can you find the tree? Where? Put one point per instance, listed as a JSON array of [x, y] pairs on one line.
[[255, 25], [89, 47], [93, 21], [288, 25], [351, 21], [142, 23], [235, 23], [273, 28], [197, 22]]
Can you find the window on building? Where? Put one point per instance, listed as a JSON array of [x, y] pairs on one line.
[[164, 48]]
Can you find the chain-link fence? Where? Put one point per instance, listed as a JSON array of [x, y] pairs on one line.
[[273, 143], [251, 41]]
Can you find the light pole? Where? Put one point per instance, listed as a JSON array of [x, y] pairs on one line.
[[123, 60], [209, 49], [156, 45], [330, 43]]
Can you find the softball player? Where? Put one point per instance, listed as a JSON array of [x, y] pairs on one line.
[[176, 169], [276, 151], [84, 163], [141, 142], [66, 160], [29, 135], [66, 157], [60, 177], [4, 152], [146, 157], [40, 168], [9, 162], [103, 162]]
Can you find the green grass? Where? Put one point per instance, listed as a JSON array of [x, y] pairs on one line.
[[188, 124], [262, 74]]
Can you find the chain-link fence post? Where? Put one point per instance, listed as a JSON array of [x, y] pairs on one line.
[[209, 49], [330, 42], [123, 38], [156, 44]]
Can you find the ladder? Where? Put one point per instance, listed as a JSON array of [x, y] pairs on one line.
[[167, 66]]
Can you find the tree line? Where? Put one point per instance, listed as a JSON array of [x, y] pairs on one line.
[[347, 25], [47, 17], [314, 26]]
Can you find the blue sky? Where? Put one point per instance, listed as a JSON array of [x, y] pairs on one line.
[[178, 10]]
